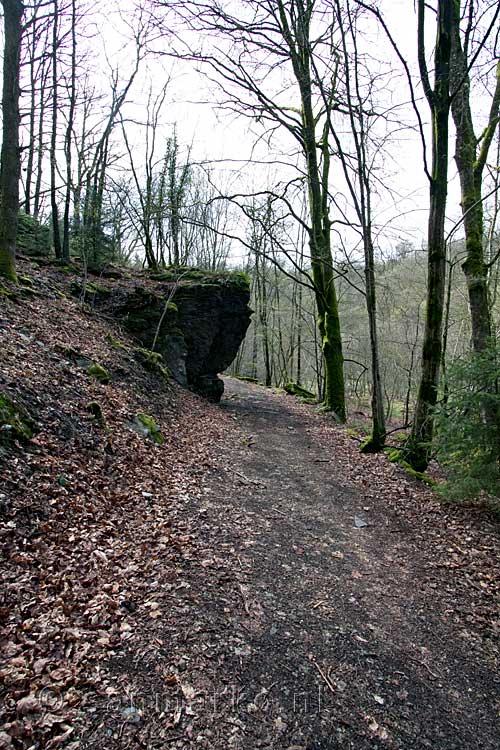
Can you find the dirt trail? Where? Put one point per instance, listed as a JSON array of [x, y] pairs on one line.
[[339, 620], [304, 628]]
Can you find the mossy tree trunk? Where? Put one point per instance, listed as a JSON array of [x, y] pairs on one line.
[[10, 158], [317, 157], [331, 342], [324, 283], [419, 445], [471, 154]]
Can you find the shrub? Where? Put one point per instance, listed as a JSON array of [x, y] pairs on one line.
[[467, 437]]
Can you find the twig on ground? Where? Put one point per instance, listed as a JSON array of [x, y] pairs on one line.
[[328, 682]]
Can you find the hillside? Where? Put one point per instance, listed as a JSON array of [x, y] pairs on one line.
[[91, 509], [184, 575]]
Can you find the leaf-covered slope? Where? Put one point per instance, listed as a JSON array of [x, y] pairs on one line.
[[88, 506]]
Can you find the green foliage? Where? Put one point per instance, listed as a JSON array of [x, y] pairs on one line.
[[467, 434]]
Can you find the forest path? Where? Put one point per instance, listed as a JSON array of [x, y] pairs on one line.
[[346, 645], [310, 598]]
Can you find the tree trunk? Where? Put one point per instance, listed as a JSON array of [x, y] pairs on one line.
[[322, 266], [53, 140], [331, 341], [37, 197], [377, 439], [418, 449], [470, 166], [32, 118], [10, 157], [68, 136], [470, 156]]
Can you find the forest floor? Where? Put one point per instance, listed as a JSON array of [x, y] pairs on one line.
[[252, 583]]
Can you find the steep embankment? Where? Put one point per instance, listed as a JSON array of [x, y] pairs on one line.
[[89, 505]]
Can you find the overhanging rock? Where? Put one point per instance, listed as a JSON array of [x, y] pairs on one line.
[[199, 324]]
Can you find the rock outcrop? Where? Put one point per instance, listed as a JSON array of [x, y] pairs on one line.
[[198, 322]]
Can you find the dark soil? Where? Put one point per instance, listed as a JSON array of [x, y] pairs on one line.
[[297, 629]]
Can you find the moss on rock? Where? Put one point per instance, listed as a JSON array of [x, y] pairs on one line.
[[15, 422], [116, 344], [145, 425], [98, 372], [95, 408], [294, 389], [152, 362], [89, 289]]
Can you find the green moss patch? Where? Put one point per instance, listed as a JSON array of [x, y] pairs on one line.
[[294, 389], [397, 456], [203, 276], [247, 379], [25, 280], [7, 293], [369, 445], [15, 422], [90, 289], [116, 344], [145, 425], [152, 361], [99, 373], [95, 408]]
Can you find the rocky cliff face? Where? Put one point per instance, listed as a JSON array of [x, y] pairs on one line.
[[199, 323]]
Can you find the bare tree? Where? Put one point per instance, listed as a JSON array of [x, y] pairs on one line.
[[418, 449], [357, 169], [259, 40], [471, 154], [10, 157]]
